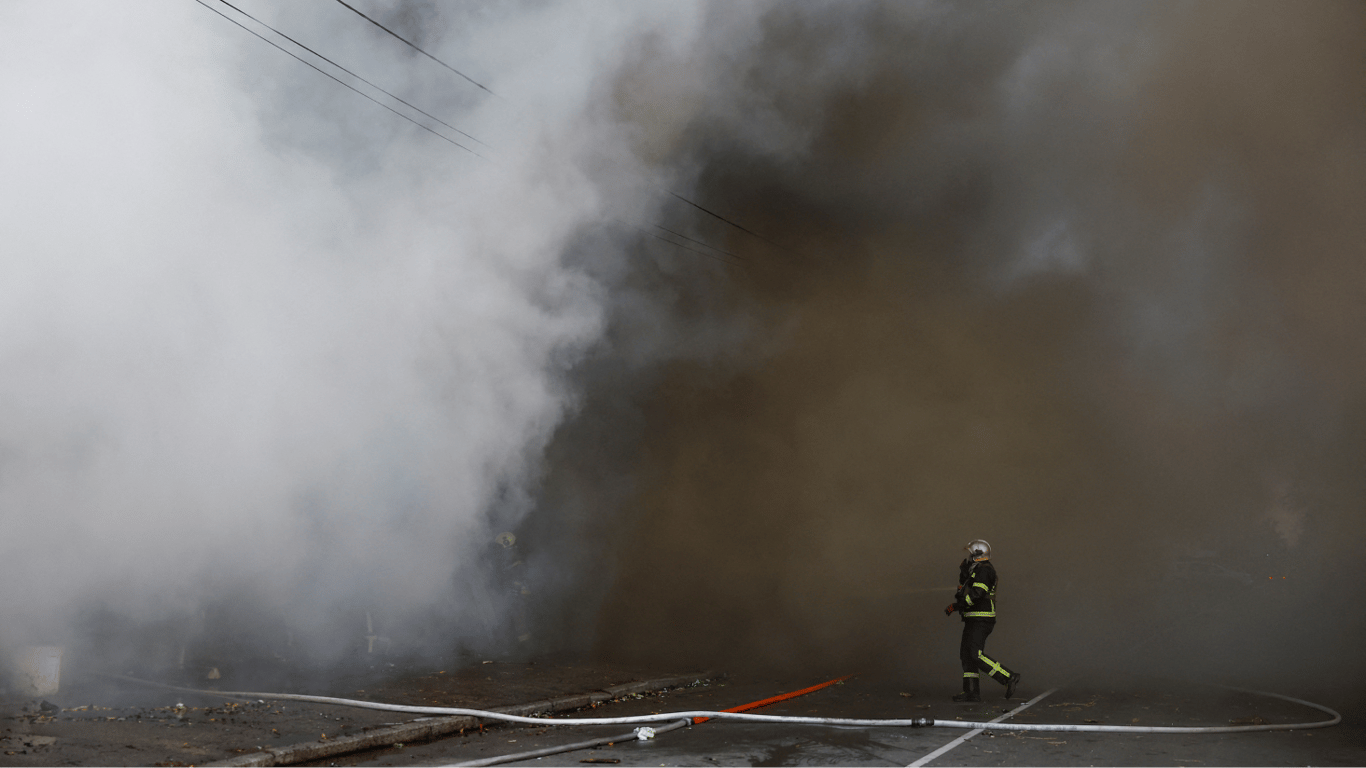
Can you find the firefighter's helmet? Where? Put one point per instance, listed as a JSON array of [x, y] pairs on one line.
[[506, 539], [978, 549]]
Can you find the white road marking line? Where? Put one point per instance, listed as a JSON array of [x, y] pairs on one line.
[[927, 758]]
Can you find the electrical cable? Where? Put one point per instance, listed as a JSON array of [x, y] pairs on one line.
[[353, 74], [749, 232], [439, 120], [699, 242], [737, 261], [721, 259], [916, 722], [415, 48], [428, 114]]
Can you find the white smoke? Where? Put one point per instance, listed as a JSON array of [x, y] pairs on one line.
[[255, 328]]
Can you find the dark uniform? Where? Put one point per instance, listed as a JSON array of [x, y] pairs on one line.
[[976, 603], [507, 556]]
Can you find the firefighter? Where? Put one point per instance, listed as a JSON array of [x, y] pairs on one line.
[[976, 603], [513, 572]]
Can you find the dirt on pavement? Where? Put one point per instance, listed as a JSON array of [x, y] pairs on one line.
[[99, 721]]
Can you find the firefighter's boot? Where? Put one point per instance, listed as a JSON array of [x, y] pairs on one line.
[[972, 690], [1012, 684]]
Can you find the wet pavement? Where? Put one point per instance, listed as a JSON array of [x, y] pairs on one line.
[[120, 725]]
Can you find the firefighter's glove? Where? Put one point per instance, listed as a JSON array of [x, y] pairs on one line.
[[949, 609]]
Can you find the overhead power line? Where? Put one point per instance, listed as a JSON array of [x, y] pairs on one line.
[[699, 242], [415, 47], [721, 259], [448, 125], [412, 45], [735, 262], [339, 80], [349, 72], [749, 232]]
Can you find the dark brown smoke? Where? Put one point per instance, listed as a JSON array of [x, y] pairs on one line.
[[1083, 280]]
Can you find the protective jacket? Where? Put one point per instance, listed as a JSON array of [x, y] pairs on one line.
[[976, 598]]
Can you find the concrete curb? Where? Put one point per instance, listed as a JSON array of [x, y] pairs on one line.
[[433, 727]]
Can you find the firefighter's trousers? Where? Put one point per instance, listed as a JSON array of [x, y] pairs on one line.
[[973, 654]]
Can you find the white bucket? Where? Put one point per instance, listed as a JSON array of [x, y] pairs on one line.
[[38, 670]]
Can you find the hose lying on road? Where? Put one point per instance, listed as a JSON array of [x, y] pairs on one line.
[[635, 735], [915, 722]]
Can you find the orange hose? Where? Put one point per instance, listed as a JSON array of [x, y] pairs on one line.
[[774, 699]]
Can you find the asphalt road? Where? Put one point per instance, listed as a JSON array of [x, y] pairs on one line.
[[1118, 701], [120, 725]]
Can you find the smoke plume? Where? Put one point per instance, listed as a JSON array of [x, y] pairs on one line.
[[744, 318], [1079, 279]]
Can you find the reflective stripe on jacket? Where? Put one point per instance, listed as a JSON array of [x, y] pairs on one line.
[[977, 591]]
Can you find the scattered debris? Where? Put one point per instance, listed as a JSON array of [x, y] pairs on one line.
[[28, 740]]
